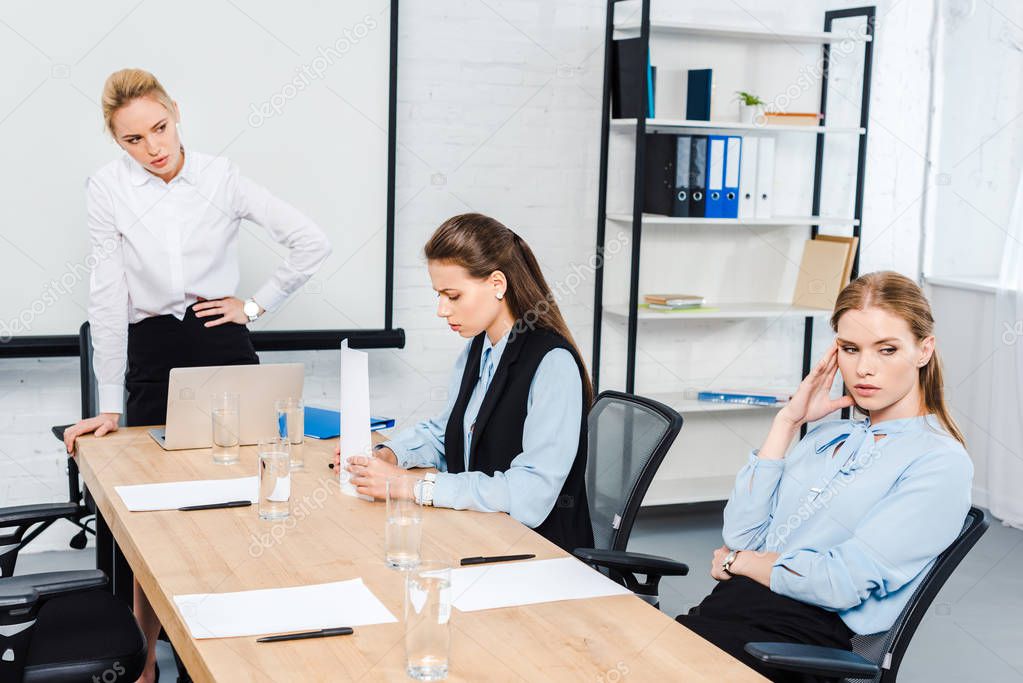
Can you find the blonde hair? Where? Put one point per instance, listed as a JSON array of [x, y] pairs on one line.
[[900, 296], [126, 85]]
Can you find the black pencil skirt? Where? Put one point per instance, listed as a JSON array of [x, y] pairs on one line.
[[157, 344], [740, 611]]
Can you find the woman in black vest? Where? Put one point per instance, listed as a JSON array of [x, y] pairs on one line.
[[512, 437]]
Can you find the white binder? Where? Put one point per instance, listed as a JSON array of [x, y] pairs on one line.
[[748, 178], [765, 178]]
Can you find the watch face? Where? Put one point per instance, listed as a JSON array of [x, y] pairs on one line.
[[251, 308]]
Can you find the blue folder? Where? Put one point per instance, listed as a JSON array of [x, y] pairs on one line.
[[716, 176], [321, 423]]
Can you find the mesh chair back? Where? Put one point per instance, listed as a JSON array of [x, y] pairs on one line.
[[628, 438], [887, 649]]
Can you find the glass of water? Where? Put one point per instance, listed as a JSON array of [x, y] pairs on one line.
[[427, 613], [291, 426], [403, 530], [226, 423], [274, 478]]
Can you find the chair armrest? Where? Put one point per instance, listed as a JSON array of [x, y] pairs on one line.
[[24, 590], [625, 561], [815, 660], [31, 514]]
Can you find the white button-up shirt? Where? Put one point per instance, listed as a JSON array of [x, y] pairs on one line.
[[158, 247]]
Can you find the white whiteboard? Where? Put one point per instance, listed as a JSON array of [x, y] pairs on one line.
[[295, 94]]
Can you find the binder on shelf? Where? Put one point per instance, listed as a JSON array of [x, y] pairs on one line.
[[820, 274], [748, 178], [733, 155], [698, 94], [765, 178], [698, 176], [683, 176], [629, 60], [715, 176], [660, 174]]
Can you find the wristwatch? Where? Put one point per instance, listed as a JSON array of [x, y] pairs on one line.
[[423, 490], [726, 566], [251, 310]]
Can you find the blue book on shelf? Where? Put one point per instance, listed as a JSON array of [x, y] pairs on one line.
[[321, 423], [747, 399]]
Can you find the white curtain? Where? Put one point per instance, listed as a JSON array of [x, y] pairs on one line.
[[1005, 429]]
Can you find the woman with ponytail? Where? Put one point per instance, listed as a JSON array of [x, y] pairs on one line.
[[512, 437], [832, 539]]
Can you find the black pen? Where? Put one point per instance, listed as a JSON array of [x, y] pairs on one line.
[[216, 506], [322, 633], [496, 558]]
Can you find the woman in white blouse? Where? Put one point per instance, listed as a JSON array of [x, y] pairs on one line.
[[164, 225]]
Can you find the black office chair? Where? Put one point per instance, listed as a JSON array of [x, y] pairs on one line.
[[876, 658], [60, 627], [628, 438], [76, 510]]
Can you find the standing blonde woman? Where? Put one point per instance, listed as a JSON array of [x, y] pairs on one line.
[[164, 223]]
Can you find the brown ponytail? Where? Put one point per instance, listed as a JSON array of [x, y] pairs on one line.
[[482, 245], [900, 296]]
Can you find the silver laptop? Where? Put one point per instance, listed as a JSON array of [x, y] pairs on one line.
[[189, 395]]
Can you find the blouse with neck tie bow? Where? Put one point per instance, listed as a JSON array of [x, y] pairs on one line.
[[856, 519]]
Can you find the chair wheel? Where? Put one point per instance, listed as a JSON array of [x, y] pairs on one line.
[[78, 541]]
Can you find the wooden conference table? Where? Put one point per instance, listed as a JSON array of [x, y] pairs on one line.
[[333, 537]]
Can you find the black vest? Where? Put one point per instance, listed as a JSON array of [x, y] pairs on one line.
[[497, 435]]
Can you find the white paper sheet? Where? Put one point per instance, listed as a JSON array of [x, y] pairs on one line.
[[172, 495], [490, 586], [356, 436], [279, 610]]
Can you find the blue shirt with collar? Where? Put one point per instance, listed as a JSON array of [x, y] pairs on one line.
[[529, 489], [856, 530]]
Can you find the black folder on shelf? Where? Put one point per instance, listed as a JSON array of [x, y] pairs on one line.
[[698, 176], [628, 69], [659, 174], [683, 176]]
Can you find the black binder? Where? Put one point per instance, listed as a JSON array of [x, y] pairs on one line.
[[683, 176], [659, 174], [698, 176]]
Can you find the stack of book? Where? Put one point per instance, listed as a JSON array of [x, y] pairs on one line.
[[672, 302]]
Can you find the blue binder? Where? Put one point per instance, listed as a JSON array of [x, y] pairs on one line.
[[733, 155], [321, 423], [716, 176]]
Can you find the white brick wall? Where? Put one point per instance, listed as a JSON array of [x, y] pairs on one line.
[[498, 113]]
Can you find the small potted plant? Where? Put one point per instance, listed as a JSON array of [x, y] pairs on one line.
[[751, 107]]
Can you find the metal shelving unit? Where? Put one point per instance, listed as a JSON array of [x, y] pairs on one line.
[[631, 314]]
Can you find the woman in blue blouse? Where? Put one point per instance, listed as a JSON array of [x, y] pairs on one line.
[[832, 539], [512, 437]]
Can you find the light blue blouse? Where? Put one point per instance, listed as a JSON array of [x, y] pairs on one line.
[[530, 487], [857, 530]]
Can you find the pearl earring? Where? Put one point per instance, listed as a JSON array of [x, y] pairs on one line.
[[499, 295]]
